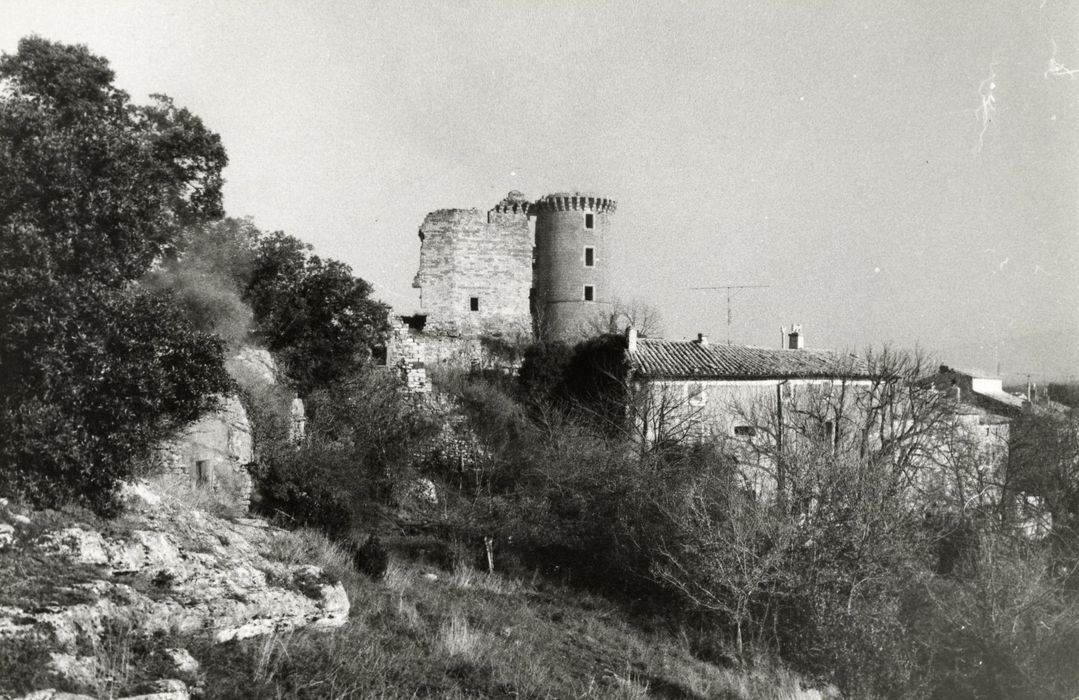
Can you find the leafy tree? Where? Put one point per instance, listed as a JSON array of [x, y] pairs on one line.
[[91, 184], [540, 376], [94, 370], [313, 313]]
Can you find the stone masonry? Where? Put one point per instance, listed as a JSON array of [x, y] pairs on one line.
[[476, 271], [213, 452]]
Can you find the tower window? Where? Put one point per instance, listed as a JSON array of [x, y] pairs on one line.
[[473, 303], [745, 430], [589, 292], [589, 256], [589, 221]]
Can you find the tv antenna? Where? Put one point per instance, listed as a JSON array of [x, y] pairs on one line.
[[737, 288]]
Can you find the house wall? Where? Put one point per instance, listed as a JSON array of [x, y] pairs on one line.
[[213, 453], [714, 408]]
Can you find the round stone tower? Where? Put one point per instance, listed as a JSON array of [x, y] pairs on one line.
[[572, 279]]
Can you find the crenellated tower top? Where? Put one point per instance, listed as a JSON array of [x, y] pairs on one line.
[[513, 203], [574, 201]]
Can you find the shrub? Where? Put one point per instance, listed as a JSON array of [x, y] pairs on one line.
[[306, 486], [371, 558], [92, 379]]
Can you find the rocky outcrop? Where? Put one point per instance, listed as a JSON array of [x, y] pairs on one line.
[[166, 569]]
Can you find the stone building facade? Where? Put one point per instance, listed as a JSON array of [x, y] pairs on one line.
[[572, 279], [476, 270], [484, 276], [212, 453], [215, 451]]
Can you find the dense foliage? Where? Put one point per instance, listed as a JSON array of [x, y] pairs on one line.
[[312, 312], [317, 318], [94, 189]]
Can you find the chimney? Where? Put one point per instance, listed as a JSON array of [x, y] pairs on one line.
[[795, 339], [631, 339], [702, 339]]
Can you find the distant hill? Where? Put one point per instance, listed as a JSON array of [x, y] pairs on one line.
[[1051, 355]]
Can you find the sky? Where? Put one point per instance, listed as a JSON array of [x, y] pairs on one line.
[[895, 172]]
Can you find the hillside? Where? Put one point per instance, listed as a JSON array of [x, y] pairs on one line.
[[176, 602]]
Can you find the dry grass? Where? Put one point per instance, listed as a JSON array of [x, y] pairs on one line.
[[457, 638], [306, 546], [397, 578], [473, 635], [465, 576], [194, 497]]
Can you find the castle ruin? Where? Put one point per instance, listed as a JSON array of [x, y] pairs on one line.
[[489, 277]]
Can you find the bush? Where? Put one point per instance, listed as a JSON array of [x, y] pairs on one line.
[[371, 558], [92, 378], [306, 486]]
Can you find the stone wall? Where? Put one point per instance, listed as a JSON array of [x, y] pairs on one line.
[[475, 271], [405, 356], [212, 453]]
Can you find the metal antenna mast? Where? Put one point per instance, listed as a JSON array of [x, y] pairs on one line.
[[729, 287]]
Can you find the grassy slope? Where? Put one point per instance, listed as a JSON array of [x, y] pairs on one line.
[[465, 634], [471, 635]]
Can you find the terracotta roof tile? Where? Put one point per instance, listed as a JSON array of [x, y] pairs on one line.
[[687, 359]]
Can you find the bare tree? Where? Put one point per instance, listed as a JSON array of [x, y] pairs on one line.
[[724, 550], [635, 312]]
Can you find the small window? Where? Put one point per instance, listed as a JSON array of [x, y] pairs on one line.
[[697, 394], [589, 256], [473, 303], [589, 292], [379, 355], [589, 221], [202, 472], [745, 430]]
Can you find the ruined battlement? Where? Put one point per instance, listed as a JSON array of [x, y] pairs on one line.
[[488, 274], [476, 270], [513, 203], [574, 201]]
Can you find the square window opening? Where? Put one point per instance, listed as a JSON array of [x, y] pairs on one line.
[[589, 256], [473, 303], [589, 293], [697, 394], [589, 221]]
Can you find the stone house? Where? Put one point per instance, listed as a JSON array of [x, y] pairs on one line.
[[214, 452], [693, 388]]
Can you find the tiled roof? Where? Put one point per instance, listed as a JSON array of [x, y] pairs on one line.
[[687, 359]]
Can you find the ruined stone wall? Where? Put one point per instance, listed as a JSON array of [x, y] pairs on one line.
[[405, 355], [213, 452], [467, 255]]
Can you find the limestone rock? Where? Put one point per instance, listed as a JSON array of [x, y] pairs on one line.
[[173, 569], [252, 366], [7, 535], [184, 664], [78, 669]]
